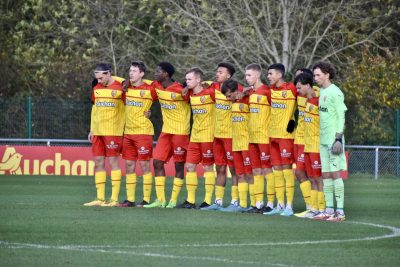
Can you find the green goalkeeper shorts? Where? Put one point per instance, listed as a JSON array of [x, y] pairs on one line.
[[331, 162]]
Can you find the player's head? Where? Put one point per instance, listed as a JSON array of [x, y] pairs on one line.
[[230, 89], [253, 73], [275, 74], [102, 73], [304, 83], [224, 72], [323, 72], [137, 71], [304, 70], [193, 77], [164, 71]]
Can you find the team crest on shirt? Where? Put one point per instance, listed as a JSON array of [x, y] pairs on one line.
[[325, 97], [311, 107], [113, 93], [173, 96], [284, 94], [258, 99], [203, 99], [142, 93], [241, 106]]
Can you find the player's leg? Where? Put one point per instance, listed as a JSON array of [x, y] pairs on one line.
[[221, 162], [300, 174], [255, 157], [286, 151], [113, 150], [100, 175], [129, 154], [207, 159]]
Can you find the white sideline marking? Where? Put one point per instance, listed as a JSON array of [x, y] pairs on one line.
[[395, 232]]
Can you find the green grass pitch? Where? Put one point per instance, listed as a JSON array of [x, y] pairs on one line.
[[43, 223]]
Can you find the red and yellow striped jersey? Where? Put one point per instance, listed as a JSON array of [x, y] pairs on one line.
[[311, 126], [299, 134], [283, 104], [203, 109], [223, 112], [175, 108], [138, 100], [108, 110], [240, 124], [260, 108]]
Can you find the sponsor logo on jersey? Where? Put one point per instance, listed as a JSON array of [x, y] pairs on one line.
[[105, 104], [323, 109], [179, 151], [222, 106], [168, 106], [301, 113], [238, 119], [254, 110], [199, 111], [133, 103], [306, 119], [285, 154], [278, 105]]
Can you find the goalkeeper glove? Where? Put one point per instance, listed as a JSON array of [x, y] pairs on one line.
[[290, 126]]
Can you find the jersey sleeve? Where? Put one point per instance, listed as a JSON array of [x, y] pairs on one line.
[[340, 111], [153, 92]]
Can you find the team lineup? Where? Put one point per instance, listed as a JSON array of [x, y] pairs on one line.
[[251, 130]]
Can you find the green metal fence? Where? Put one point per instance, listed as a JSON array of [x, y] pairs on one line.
[[43, 117]]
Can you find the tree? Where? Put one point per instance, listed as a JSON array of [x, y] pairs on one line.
[[295, 33], [371, 93]]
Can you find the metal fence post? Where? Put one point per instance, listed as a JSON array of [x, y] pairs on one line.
[[29, 119], [376, 162]]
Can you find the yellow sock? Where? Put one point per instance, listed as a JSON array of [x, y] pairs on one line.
[[147, 186], [321, 201], [209, 186], [235, 193], [279, 186], [191, 186], [252, 195], [314, 200], [306, 192], [115, 184], [160, 188], [270, 187], [100, 180], [289, 182], [259, 188], [131, 186], [243, 188], [219, 193], [176, 189]]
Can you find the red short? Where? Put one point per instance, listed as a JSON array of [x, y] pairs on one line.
[[299, 157], [281, 151], [106, 146], [223, 151], [242, 162], [313, 165], [200, 152], [260, 156], [137, 147], [169, 145]]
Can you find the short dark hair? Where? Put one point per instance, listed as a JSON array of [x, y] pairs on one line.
[[167, 67], [326, 68], [254, 66], [279, 67], [304, 78], [305, 70], [229, 85], [228, 66], [140, 65], [103, 67], [197, 71]]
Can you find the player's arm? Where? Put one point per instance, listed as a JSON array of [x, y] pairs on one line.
[[340, 110], [292, 123]]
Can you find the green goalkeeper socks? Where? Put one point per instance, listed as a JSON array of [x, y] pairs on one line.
[[339, 192], [328, 192]]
